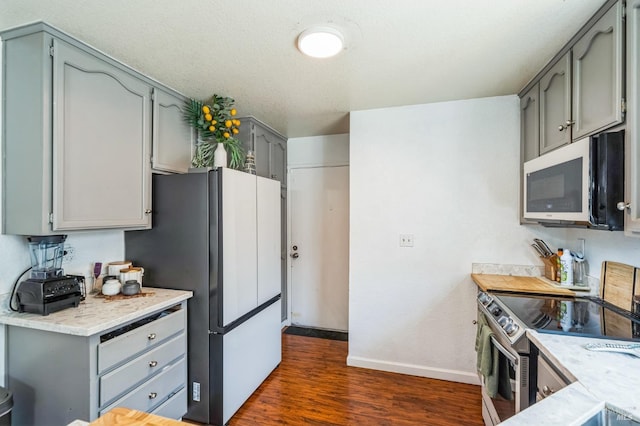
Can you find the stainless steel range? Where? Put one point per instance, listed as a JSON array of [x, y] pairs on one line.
[[509, 315]]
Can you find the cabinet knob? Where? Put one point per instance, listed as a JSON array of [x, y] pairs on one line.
[[561, 128], [274, 176], [474, 322], [153, 363], [570, 123], [147, 211], [622, 206], [152, 336], [153, 395]]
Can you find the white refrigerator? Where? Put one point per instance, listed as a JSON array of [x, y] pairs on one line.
[[217, 233]]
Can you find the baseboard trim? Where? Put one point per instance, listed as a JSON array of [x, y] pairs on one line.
[[414, 370]]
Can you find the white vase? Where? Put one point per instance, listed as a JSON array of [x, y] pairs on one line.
[[220, 156]]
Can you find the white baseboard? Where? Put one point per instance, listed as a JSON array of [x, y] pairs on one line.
[[415, 370]]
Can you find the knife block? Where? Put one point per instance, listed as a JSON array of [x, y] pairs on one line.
[[551, 267]]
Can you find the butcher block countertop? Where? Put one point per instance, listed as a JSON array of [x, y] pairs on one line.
[[121, 416], [535, 285]]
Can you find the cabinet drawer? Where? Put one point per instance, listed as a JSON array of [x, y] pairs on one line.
[[175, 407], [549, 381], [129, 344], [149, 363], [155, 391]]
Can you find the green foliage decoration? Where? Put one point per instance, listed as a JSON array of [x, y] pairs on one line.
[[214, 122]]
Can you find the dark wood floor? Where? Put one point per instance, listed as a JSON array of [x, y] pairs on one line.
[[314, 386]]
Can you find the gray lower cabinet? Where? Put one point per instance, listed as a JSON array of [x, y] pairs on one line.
[[632, 181], [172, 136], [598, 75], [270, 150], [57, 378], [555, 106]]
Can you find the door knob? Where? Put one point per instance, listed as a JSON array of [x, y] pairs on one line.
[[295, 255]]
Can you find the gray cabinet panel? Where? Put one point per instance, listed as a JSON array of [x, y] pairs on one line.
[[530, 124], [172, 136], [555, 106], [598, 75], [100, 143], [632, 181], [76, 137], [123, 378], [141, 339]]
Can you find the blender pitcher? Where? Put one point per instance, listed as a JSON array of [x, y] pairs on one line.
[[46, 256]]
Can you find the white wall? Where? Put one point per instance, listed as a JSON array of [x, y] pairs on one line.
[[448, 174]]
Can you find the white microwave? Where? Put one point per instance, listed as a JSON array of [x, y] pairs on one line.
[[579, 184]]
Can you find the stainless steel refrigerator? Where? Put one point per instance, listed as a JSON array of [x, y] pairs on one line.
[[217, 233]]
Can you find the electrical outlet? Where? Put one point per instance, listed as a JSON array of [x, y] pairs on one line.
[[406, 240], [69, 254]]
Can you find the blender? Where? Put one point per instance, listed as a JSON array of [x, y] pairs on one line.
[[48, 290]]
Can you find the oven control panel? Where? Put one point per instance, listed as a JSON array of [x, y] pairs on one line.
[[499, 315]]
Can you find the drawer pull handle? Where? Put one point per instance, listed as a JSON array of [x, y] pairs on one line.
[[153, 395], [152, 336], [153, 363]]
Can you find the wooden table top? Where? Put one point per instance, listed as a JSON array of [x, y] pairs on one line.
[[121, 416], [510, 283]]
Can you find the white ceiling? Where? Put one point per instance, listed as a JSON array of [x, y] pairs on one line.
[[400, 52]]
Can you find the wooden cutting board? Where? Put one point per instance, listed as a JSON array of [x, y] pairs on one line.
[[534, 285], [619, 283], [120, 416]]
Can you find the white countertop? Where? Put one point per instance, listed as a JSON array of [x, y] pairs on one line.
[[603, 378], [97, 314]]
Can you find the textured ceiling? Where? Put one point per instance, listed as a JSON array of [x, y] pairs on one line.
[[398, 52]]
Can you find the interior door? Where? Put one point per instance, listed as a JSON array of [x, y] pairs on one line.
[[320, 247]]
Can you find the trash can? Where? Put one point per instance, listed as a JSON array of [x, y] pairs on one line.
[[6, 404]]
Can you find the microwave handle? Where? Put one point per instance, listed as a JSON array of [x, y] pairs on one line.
[[504, 351]]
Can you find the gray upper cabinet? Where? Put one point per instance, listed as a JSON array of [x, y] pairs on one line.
[[269, 147], [101, 176], [555, 106], [632, 148], [172, 136], [598, 75], [77, 137], [530, 124]]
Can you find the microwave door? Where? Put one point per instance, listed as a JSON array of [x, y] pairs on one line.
[[556, 185]]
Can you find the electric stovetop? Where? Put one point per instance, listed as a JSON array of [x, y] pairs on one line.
[[588, 317]]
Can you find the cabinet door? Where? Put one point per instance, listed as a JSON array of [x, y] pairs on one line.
[[632, 143], [598, 75], [268, 216], [555, 106], [101, 140], [239, 244], [262, 149], [172, 136], [530, 125], [278, 160]]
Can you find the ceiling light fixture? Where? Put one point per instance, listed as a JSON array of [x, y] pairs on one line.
[[320, 42]]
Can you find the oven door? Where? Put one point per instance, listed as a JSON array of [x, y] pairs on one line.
[[498, 409]]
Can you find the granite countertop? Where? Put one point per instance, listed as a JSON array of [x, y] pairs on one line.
[[604, 378], [97, 314]]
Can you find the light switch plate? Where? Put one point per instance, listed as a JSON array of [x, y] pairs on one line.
[[406, 240]]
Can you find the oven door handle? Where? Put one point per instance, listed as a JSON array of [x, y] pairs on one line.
[[504, 351]]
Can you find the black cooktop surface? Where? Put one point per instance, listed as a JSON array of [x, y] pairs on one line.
[[589, 317]]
